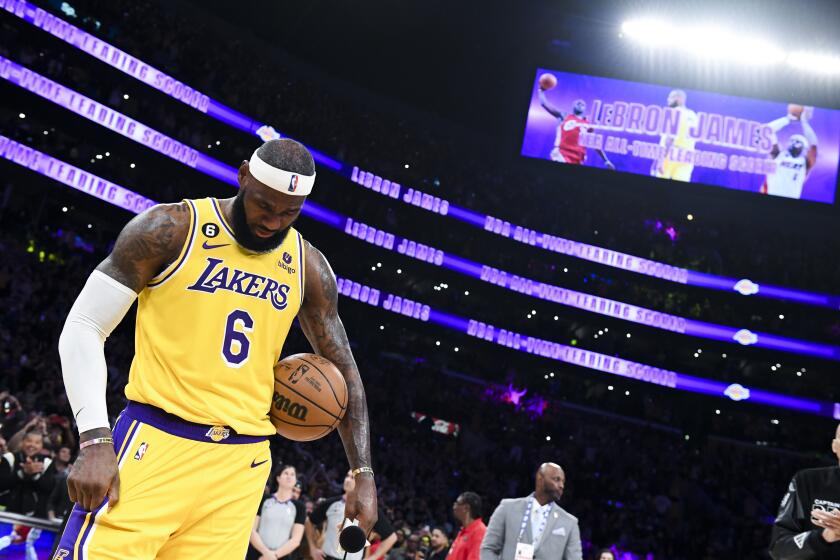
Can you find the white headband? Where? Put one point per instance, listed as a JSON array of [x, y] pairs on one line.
[[284, 181]]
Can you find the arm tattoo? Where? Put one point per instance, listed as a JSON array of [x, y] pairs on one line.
[[147, 244], [325, 331]]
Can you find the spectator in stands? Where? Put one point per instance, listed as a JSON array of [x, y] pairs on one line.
[[10, 411], [59, 503], [60, 432], [398, 550], [62, 460], [605, 554], [412, 547], [32, 479], [36, 424], [439, 546], [278, 528], [467, 510], [534, 526], [6, 479], [326, 520]]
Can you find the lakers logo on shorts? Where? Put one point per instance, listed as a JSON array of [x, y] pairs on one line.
[[218, 433], [61, 553]]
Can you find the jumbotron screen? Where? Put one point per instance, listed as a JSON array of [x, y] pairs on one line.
[[755, 145]]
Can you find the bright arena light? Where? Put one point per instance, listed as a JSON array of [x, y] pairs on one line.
[[709, 41], [814, 62], [652, 32]]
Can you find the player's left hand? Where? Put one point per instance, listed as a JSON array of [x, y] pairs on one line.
[[361, 502]]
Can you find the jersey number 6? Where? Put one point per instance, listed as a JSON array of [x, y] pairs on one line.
[[236, 346]]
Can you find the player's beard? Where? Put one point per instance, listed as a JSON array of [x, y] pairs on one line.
[[243, 233], [795, 151]]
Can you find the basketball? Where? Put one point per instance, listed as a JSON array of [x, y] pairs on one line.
[[547, 82], [310, 397], [795, 110]]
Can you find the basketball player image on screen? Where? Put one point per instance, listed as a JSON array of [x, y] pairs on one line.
[[218, 284], [794, 163], [665, 167], [567, 148]]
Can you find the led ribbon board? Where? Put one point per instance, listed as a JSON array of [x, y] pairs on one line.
[[109, 192], [153, 77], [151, 138]]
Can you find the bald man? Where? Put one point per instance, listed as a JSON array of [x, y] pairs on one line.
[[808, 524], [534, 527]]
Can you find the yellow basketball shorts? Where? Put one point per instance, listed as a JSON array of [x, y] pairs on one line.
[[186, 491], [678, 171]]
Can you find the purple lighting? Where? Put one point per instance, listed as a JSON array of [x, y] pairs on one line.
[[72, 176], [146, 73], [153, 77], [600, 255], [513, 396], [617, 366], [124, 198], [149, 137]]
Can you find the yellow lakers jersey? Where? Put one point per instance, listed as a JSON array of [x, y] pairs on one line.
[[688, 120], [211, 326]]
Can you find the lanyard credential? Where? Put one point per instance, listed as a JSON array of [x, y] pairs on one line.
[[540, 527]]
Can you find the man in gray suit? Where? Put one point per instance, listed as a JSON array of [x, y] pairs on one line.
[[534, 527]]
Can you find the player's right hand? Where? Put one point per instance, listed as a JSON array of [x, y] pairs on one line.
[[317, 554], [804, 116], [94, 475]]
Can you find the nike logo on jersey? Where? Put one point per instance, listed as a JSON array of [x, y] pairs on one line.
[[208, 246], [254, 464]]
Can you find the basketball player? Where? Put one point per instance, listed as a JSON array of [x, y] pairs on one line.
[[567, 149], [794, 163], [808, 524], [219, 284], [665, 167]]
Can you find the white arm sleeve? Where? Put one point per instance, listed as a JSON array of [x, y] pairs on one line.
[[779, 123], [809, 133], [100, 307]]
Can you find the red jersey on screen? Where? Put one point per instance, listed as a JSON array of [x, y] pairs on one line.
[[568, 134]]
